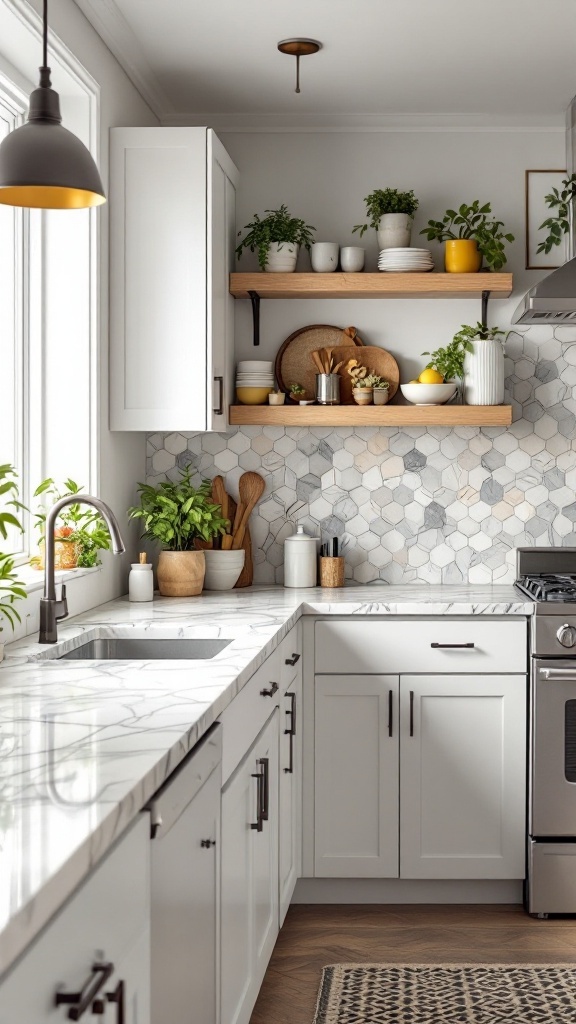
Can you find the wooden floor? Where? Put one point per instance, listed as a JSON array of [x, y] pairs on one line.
[[314, 936]]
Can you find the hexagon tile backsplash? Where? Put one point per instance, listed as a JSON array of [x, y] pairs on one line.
[[435, 504]]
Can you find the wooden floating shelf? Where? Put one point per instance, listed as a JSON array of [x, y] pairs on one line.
[[371, 415], [370, 286]]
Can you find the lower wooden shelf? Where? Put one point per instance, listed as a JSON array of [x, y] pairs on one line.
[[291, 415]]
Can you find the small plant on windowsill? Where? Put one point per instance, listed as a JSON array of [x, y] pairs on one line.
[[11, 589], [81, 535]]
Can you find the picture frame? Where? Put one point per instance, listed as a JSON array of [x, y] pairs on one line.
[[538, 184]]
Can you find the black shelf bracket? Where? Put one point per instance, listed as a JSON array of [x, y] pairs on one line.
[[255, 300], [484, 313]]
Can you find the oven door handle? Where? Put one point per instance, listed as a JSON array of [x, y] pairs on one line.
[[558, 673]]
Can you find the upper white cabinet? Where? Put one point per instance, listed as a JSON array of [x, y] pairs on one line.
[[172, 232]]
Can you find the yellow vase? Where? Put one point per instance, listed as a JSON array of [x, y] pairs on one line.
[[461, 256]]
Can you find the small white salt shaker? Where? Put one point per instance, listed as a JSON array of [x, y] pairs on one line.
[[141, 580], [300, 560]]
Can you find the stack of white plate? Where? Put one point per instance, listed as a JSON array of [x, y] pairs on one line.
[[255, 373], [407, 260]]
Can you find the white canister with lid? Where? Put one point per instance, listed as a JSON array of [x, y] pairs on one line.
[[141, 580], [300, 560]]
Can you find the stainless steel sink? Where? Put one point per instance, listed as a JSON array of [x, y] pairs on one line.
[[148, 649]]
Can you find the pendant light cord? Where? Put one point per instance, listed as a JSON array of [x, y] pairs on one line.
[[45, 36]]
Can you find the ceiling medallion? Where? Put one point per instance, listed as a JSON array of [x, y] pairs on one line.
[[299, 48]]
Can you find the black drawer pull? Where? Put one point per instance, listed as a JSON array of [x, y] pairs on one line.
[[293, 660], [390, 710], [440, 646], [291, 732], [257, 825], [271, 691], [219, 411], [82, 1001], [411, 712]]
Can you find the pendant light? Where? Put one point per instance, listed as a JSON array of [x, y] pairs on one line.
[[299, 48], [42, 164]]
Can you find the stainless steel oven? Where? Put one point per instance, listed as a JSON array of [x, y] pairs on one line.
[[552, 809]]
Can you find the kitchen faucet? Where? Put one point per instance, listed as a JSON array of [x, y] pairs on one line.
[[52, 610]]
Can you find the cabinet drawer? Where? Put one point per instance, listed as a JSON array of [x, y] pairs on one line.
[[248, 713], [291, 656], [397, 645]]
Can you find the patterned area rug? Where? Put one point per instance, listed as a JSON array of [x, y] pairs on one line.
[[447, 994]]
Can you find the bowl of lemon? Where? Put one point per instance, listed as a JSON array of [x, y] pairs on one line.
[[429, 388]]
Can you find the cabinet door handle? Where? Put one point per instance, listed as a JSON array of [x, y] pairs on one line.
[[270, 693], [411, 712], [291, 732], [117, 996], [257, 825], [206, 844], [390, 710], [293, 660], [220, 409], [265, 788], [79, 1002], [441, 646]]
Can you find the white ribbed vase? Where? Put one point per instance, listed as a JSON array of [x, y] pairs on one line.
[[484, 373]]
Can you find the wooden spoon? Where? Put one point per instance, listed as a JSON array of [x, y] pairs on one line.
[[251, 488], [219, 496], [318, 362]]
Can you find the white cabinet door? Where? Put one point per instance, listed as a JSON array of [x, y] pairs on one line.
[[168, 192], [222, 182], [249, 865], [463, 776], [356, 776], [290, 838]]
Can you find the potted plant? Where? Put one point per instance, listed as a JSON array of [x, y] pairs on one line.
[[81, 535], [380, 388], [390, 213], [483, 364], [361, 382], [277, 239], [471, 235], [11, 589], [175, 515], [447, 362], [297, 392], [558, 225]]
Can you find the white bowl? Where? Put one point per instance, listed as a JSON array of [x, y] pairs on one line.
[[223, 569], [428, 394], [255, 364]]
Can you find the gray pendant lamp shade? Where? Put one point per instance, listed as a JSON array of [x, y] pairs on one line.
[[44, 165]]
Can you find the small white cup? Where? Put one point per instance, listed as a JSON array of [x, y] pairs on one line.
[[352, 259], [324, 256]]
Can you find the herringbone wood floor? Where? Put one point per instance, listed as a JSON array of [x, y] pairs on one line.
[[314, 936]]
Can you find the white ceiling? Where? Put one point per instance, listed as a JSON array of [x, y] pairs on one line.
[[512, 61]]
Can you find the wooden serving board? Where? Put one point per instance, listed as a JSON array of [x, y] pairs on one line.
[[376, 360]]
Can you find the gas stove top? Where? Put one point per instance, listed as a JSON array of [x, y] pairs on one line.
[[548, 576], [558, 587]]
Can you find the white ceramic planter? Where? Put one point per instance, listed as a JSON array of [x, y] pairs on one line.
[[352, 259], [324, 257], [484, 373], [394, 231], [282, 257], [380, 396], [223, 569]]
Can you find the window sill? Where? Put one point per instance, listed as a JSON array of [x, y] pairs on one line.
[[33, 579]]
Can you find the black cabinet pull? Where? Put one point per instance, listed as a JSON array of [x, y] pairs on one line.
[[390, 710], [117, 996], [220, 409], [257, 825], [271, 691], [265, 788], [82, 1001], [293, 660], [207, 843], [440, 646], [411, 712], [291, 731]]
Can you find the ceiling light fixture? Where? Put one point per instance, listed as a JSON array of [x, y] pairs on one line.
[[42, 164], [299, 48]]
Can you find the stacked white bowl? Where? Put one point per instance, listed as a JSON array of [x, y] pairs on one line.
[[255, 373], [406, 260]]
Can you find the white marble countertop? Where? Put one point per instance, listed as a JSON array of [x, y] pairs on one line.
[[85, 745]]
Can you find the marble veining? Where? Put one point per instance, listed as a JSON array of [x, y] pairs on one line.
[[85, 745]]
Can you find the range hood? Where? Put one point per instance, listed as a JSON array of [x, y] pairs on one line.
[[553, 300]]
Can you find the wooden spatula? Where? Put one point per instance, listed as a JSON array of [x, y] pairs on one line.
[[251, 488]]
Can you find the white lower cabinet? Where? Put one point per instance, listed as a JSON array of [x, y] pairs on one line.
[[290, 785], [462, 776], [249, 866], [95, 955]]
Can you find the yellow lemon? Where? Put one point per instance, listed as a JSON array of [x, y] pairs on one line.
[[430, 377], [413, 381]]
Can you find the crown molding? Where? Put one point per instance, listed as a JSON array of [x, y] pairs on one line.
[[369, 122], [114, 30]]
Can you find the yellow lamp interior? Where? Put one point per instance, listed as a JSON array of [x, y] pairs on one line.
[[49, 197]]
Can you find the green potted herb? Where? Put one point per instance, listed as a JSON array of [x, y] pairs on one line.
[[277, 239], [297, 392], [380, 388], [81, 535], [448, 361], [11, 589], [558, 225], [483, 364], [471, 235], [390, 213], [175, 515]]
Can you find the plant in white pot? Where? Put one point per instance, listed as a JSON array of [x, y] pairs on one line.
[[175, 515], [390, 213], [483, 364], [11, 589], [277, 239]]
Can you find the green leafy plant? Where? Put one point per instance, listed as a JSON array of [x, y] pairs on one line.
[[176, 514], [377, 382], [468, 332], [279, 226], [559, 224], [11, 589], [473, 222], [79, 524], [449, 361], [297, 390], [386, 200]]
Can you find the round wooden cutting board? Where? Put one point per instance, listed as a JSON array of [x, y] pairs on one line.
[[376, 360], [294, 361]]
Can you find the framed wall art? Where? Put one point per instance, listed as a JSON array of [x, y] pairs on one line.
[[538, 185]]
